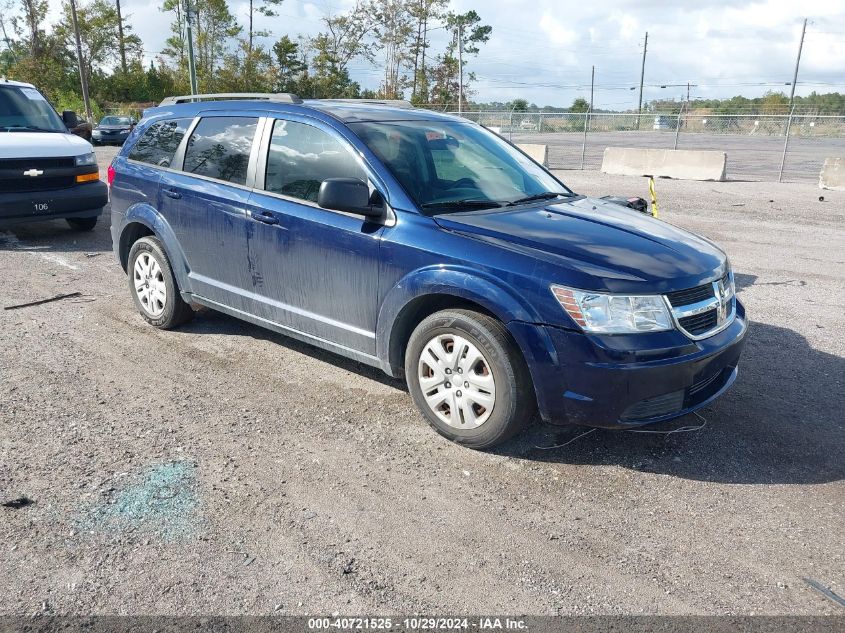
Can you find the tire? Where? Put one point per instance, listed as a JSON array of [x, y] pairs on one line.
[[153, 285], [82, 224], [483, 352]]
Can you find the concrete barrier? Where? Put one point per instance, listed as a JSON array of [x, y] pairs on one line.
[[540, 153], [832, 175], [683, 164]]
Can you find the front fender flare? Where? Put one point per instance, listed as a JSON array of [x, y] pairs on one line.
[[460, 282]]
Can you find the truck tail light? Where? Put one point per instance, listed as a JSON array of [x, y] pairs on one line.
[[110, 175]]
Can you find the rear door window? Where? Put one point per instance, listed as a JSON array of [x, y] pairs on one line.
[[302, 156], [219, 148], [158, 144]]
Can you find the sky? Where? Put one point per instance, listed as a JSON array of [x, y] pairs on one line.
[[543, 50]]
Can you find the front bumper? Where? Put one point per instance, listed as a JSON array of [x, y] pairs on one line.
[[100, 137], [627, 381], [79, 201]]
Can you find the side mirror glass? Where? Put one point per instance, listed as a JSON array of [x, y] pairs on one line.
[[347, 194]]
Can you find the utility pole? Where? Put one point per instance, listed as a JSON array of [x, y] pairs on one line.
[[460, 67], [642, 78], [423, 76], [82, 77], [791, 103], [120, 35], [192, 69], [8, 44], [797, 62], [587, 116]]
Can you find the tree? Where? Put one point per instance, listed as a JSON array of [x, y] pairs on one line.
[[519, 105], [214, 27], [580, 105], [446, 88], [99, 35], [34, 14], [346, 37], [265, 8], [422, 12], [290, 65], [246, 70], [393, 27]]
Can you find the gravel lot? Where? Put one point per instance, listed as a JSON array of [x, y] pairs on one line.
[[223, 469]]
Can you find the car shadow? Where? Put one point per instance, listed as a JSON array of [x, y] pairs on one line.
[[781, 423], [56, 236], [208, 321], [743, 281]]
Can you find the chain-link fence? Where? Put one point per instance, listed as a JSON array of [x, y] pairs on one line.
[[756, 144]]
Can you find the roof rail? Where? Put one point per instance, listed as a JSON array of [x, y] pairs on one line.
[[278, 97], [394, 103]]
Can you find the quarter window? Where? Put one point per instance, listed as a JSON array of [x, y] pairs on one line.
[[302, 156], [159, 142], [219, 148]]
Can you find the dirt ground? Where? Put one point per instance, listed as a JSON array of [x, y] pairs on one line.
[[224, 469]]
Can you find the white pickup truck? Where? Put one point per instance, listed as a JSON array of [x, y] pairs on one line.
[[46, 172]]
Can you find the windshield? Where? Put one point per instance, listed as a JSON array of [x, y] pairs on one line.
[[455, 166], [25, 110], [115, 120]]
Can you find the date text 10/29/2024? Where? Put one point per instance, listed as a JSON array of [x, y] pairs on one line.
[[491, 623]]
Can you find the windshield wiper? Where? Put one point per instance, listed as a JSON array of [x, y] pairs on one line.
[[546, 195], [472, 203]]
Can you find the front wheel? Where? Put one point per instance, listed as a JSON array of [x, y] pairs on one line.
[[467, 376], [153, 285]]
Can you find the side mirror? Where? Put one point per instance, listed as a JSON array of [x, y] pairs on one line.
[[347, 194], [70, 119]]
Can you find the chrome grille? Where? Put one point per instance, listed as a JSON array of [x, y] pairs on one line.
[[704, 310], [693, 295], [699, 323]]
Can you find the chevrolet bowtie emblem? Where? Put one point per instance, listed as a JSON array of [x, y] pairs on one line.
[[33, 172]]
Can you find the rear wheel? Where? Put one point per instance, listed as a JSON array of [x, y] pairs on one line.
[[153, 285], [82, 224], [468, 378]]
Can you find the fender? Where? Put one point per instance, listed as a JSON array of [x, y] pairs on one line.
[[501, 300], [143, 213]]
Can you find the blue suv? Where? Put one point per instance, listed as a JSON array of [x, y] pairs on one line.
[[427, 246]]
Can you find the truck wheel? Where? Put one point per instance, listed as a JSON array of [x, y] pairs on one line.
[[153, 285], [82, 224], [467, 376]]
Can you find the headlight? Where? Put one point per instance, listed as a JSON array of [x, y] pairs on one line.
[[86, 159], [614, 314]]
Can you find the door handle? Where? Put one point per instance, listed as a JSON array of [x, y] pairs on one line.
[[266, 217], [171, 193]]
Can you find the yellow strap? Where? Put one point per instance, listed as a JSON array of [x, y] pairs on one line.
[[653, 196]]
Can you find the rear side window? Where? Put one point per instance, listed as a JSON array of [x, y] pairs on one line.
[[158, 144], [301, 157], [219, 148]]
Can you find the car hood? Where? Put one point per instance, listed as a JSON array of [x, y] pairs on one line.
[[41, 145], [603, 245], [112, 128]]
